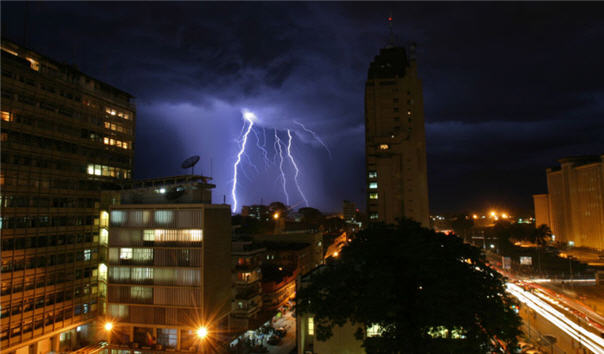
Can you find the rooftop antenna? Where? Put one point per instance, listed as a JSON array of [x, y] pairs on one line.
[[391, 37], [190, 162]]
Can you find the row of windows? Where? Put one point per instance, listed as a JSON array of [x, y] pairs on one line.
[[66, 94], [108, 171], [35, 303], [19, 222], [58, 316], [53, 278], [19, 243], [62, 165], [72, 130], [42, 182], [61, 146], [160, 276], [181, 257], [10, 265], [118, 143], [25, 201]]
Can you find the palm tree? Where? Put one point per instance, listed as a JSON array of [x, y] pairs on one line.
[[541, 235]]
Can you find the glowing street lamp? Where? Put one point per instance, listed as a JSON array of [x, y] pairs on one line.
[[108, 326], [276, 216], [202, 332]]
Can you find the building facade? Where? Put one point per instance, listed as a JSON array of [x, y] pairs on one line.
[[395, 142], [65, 136], [247, 302], [169, 265], [573, 208]]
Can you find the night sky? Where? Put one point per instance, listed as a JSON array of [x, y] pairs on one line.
[[508, 88]]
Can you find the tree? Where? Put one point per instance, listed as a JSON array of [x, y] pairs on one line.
[[429, 293], [542, 234], [462, 225]]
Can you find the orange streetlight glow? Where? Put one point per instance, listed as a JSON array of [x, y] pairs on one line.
[[202, 332], [474, 216], [276, 216], [108, 326]]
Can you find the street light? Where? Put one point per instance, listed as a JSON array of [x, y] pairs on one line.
[[202, 332], [108, 326]]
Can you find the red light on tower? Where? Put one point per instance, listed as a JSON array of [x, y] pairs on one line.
[[389, 19]]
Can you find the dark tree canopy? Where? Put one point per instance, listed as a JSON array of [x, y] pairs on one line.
[[430, 293]]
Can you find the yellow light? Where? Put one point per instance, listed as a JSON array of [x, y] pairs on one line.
[[276, 216], [336, 253], [474, 216], [493, 214], [504, 215], [108, 326], [202, 332]]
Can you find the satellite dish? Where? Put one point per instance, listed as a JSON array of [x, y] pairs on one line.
[[190, 162]]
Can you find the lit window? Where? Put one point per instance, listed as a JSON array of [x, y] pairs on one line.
[[118, 217], [149, 235], [118, 143], [384, 146], [163, 216], [104, 236], [111, 142], [97, 170], [107, 125], [372, 174], [86, 255], [125, 145], [409, 113], [373, 196], [104, 219], [125, 253], [106, 140], [6, 116], [117, 310], [90, 169], [373, 185], [142, 254], [374, 330], [311, 326], [139, 292], [373, 216]]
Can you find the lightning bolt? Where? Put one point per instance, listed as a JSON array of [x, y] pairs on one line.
[[289, 153], [247, 116], [317, 138], [262, 147], [278, 146]]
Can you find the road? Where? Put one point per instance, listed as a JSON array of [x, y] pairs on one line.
[[552, 317]]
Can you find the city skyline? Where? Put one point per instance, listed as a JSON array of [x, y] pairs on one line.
[[486, 143]]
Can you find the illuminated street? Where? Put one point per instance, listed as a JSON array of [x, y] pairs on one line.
[[581, 335]]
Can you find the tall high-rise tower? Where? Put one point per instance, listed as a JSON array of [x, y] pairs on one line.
[[395, 140]]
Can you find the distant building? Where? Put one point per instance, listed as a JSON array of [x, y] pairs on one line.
[[259, 212], [313, 239], [574, 205], [541, 202], [395, 139], [247, 302], [169, 264], [65, 137], [349, 210]]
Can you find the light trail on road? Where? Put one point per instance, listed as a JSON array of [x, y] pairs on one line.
[[587, 338]]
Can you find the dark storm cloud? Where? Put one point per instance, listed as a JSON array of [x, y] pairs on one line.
[[508, 88]]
